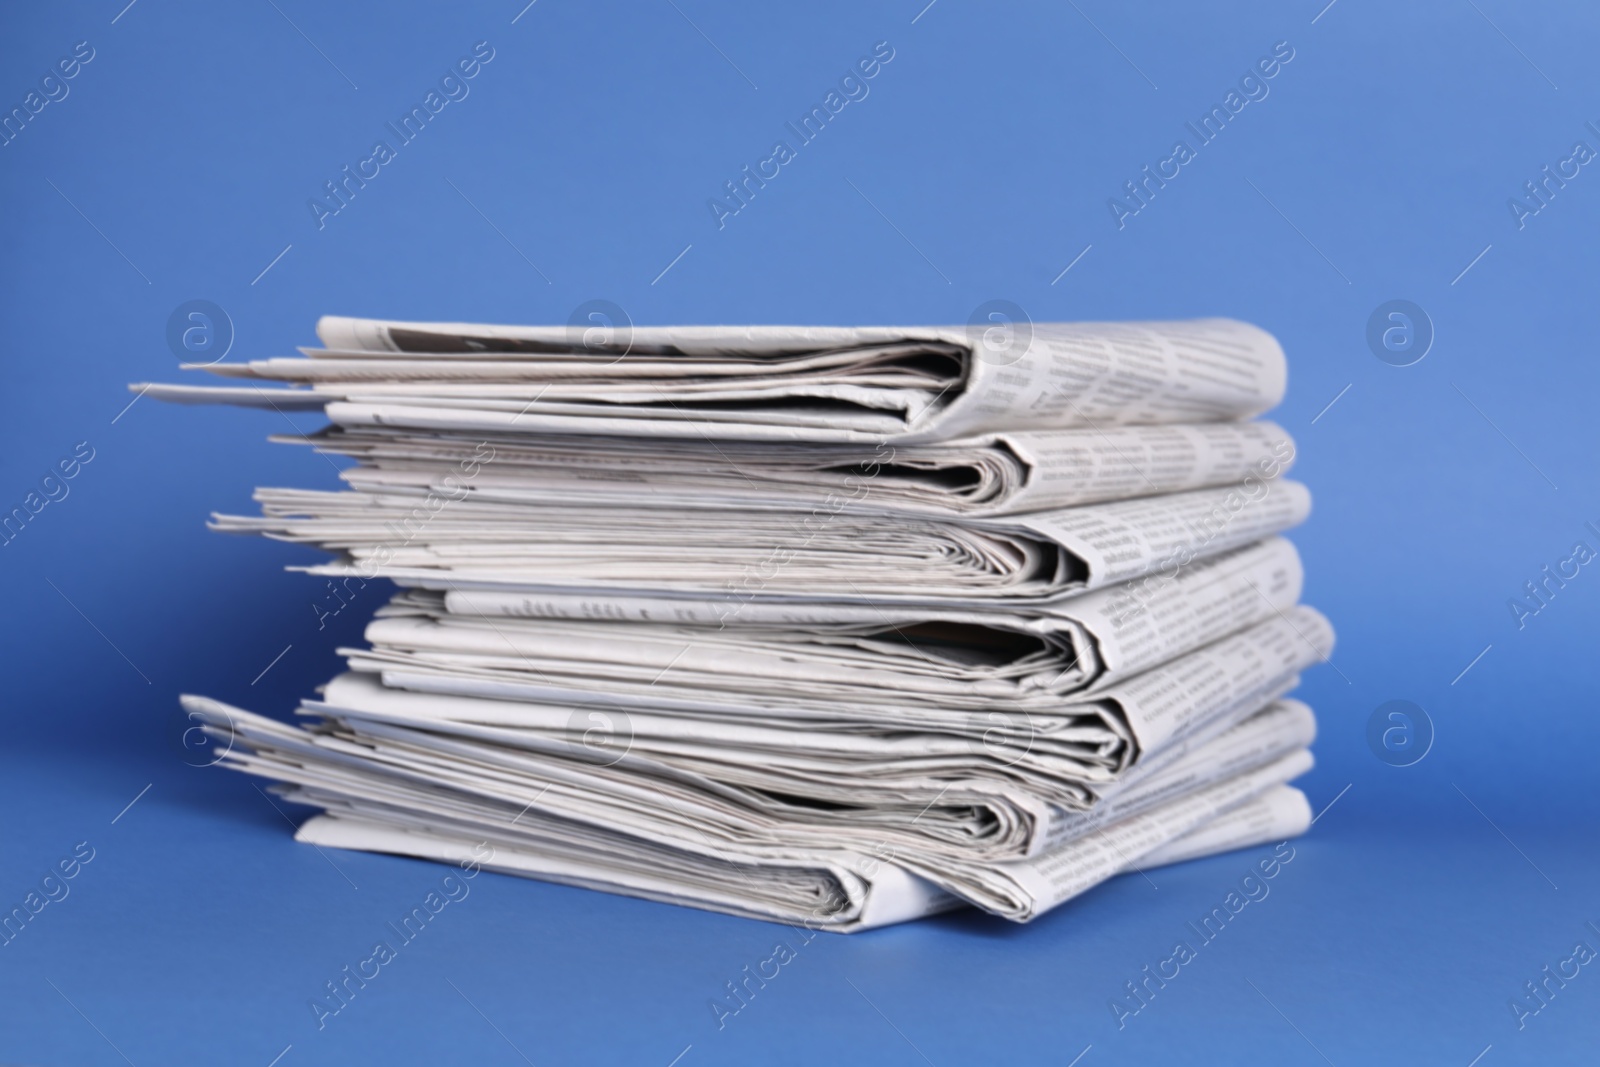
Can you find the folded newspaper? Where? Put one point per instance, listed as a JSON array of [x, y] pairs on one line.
[[882, 654], [1014, 818], [651, 828], [993, 474], [863, 383], [831, 626], [478, 541]]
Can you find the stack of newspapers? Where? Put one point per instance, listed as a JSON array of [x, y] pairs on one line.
[[832, 626]]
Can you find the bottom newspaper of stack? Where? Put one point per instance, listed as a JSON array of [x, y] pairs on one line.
[[810, 765]]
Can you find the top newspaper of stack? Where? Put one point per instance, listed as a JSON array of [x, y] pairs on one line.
[[783, 383]]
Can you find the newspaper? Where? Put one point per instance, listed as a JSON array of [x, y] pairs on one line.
[[765, 382], [628, 829], [837, 627], [1058, 739], [948, 657], [888, 895], [997, 785], [749, 555], [995, 474]]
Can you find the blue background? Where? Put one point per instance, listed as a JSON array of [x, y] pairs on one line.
[[1378, 168]]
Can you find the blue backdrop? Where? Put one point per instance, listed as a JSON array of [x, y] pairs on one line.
[[1388, 157]]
